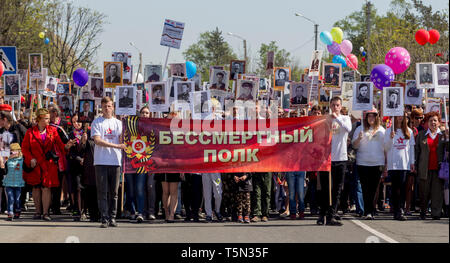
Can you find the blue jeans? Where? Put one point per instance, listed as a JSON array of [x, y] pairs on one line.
[[136, 184], [296, 184], [13, 199], [356, 192]]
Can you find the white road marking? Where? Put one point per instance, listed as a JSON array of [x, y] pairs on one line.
[[373, 231]]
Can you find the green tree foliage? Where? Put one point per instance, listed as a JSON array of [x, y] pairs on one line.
[[397, 28], [210, 50], [282, 58]]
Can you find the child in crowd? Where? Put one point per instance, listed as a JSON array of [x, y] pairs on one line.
[[13, 181], [244, 187]]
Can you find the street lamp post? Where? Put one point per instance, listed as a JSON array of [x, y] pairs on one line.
[[316, 28], [245, 43], [140, 61]]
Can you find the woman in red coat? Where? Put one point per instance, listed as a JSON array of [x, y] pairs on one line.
[[38, 149]]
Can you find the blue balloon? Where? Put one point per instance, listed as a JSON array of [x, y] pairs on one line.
[[364, 53], [326, 37], [338, 59], [46, 41], [80, 77], [191, 69]]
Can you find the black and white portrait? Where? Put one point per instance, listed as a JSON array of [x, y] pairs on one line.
[[263, 85], [126, 100], [236, 67], [201, 101], [86, 110], [65, 102], [393, 101], [12, 85], [108, 92], [63, 88], [152, 73], [125, 58], [23, 80], [413, 95], [159, 97], [349, 76], [35, 66], [315, 63], [178, 69], [281, 75], [96, 86], [63, 78], [433, 104], [441, 78], [424, 72], [363, 96], [197, 79], [113, 74], [86, 94], [50, 84], [183, 90], [332, 75], [219, 80], [246, 90], [171, 82], [299, 93], [365, 78], [324, 97]]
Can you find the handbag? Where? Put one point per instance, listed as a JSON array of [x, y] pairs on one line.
[[443, 171]]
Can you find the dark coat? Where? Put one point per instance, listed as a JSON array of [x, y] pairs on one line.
[[246, 185], [422, 152]]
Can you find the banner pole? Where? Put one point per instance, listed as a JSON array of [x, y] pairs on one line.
[[165, 63], [445, 112]]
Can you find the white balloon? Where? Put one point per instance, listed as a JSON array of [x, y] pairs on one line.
[[361, 49], [140, 78]]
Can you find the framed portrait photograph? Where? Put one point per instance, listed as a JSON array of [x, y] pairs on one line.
[[246, 90], [182, 91], [263, 85], [201, 104], [211, 68], [96, 86], [349, 76], [197, 79], [63, 88], [365, 78], [86, 94], [65, 103], [86, 110], [126, 100], [178, 70], [108, 92], [393, 104], [219, 80], [113, 74], [40, 86], [314, 68], [413, 95], [433, 104], [332, 76], [50, 84], [237, 67], [171, 86], [23, 81], [153, 73], [281, 76], [324, 96], [362, 96], [424, 75], [35, 65], [159, 96], [298, 93], [125, 58], [441, 79], [64, 78], [11, 84]]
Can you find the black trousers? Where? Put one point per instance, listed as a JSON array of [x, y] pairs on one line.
[[56, 194], [398, 191], [337, 183], [191, 193], [370, 178]]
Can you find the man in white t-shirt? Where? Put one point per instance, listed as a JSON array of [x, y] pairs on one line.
[[341, 126], [106, 131]]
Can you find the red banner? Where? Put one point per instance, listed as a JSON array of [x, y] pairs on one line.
[[227, 146]]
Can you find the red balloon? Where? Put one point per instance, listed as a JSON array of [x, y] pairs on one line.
[[422, 36], [363, 59], [434, 36], [2, 68], [352, 61]]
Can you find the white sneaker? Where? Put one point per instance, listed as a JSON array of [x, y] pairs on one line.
[[369, 217], [285, 214]]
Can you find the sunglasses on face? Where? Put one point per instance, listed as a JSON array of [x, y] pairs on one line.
[[419, 118]]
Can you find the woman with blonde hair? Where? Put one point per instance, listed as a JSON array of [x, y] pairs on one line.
[[41, 161]]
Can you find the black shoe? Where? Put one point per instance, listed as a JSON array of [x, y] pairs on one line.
[[321, 220], [196, 219], [219, 217], [187, 219], [113, 223], [104, 224], [436, 218], [333, 222], [170, 221], [400, 217], [423, 215], [337, 217]]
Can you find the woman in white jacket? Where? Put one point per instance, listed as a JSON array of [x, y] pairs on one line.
[[368, 141], [399, 144]]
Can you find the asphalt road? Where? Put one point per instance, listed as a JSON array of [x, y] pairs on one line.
[[383, 229]]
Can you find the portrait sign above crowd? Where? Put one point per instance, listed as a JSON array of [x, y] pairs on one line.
[[112, 72]]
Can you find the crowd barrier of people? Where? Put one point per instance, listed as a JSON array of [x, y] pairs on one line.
[[377, 164]]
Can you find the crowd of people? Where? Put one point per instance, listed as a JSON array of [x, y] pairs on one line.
[[376, 164]]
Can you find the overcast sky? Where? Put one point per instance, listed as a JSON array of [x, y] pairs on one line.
[[259, 21]]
